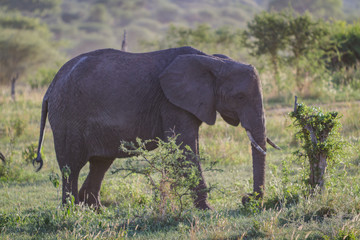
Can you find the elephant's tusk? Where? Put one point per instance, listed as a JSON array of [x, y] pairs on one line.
[[272, 144], [253, 142]]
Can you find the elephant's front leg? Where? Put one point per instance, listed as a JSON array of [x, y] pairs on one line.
[[201, 193], [201, 189], [187, 126]]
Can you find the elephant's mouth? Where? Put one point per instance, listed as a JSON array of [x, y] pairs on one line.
[[231, 118]]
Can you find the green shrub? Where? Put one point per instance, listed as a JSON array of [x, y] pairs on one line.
[[320, 140], [169, 171], [30, 153]]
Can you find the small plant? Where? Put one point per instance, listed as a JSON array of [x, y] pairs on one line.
[[30, 153], [169, 170], [320, 139], [283, 191], [66, 171], [253, 204], [54, 179], [16, 128], [344, 234]]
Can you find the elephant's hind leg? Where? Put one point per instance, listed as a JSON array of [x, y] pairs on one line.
[[90, 190], [70, 176]]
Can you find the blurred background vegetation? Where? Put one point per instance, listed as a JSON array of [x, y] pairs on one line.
[[310, 48]]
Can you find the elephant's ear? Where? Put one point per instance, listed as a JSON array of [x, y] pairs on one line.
[[189, 83]]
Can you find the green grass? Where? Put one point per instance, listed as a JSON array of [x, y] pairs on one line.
[[31, 209]]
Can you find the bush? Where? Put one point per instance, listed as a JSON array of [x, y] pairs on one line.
[[11, 169], [320, 140], [169, 170]]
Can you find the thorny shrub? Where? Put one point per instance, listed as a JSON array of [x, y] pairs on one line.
[[170, 170]]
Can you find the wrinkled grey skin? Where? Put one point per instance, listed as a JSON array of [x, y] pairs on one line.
[[103, 97]]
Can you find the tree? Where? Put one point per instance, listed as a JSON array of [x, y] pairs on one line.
[[346, 40], [24, 45], [267, 34], [304, 36], [203, 37]]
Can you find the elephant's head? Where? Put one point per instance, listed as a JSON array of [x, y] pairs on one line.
[[204, 85]]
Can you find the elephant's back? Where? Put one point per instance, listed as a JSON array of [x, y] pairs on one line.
[[105, 86], [105, 78], [104, 65]]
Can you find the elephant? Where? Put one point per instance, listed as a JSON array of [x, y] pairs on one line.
[[103, 97]]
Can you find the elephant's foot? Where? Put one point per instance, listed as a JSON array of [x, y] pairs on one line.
[[200, 199], [250, 196], [204, 205], [90, 199], [201, 203]]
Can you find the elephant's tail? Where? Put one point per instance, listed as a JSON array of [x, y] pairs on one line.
[[44, 112]]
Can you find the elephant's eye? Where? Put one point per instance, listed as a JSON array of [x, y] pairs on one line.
[[239, 96]]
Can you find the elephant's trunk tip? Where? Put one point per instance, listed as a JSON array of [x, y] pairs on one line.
[[39, 160]]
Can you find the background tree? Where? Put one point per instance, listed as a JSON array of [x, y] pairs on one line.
[[267, 34], [346, 39], [24, 45], [219, 40], [343, 54], [304, 37]]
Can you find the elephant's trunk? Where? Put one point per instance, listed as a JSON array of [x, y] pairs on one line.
[[258, 157], [258, 171], [254, 124]]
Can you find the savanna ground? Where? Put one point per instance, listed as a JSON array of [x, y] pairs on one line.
[[31, 205]]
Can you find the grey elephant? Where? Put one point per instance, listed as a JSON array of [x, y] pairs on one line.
[[106, 96]]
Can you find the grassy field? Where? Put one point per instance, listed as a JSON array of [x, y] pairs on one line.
[[31, 205]]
